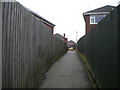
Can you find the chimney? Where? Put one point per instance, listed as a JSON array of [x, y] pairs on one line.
[[64, 34]]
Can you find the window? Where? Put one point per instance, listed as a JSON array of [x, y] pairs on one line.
[[94, 19]]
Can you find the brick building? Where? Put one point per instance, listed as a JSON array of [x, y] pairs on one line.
[[71, 43], [63, 38], [93, 17]]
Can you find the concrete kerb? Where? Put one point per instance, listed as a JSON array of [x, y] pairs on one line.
[[89, 70]]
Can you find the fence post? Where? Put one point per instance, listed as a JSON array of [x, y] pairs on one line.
[[0, 45]]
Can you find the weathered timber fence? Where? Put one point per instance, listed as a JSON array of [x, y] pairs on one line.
[[100, 50], [27, 47], [0, 46]]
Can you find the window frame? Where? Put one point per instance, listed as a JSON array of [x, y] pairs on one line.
[[92, 17]]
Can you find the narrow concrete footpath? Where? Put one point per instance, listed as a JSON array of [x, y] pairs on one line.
[[67, 72]]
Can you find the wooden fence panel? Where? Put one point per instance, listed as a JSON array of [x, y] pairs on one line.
[[101, 50], [0, 45], [27, 47]]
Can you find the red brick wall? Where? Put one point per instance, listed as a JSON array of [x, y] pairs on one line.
[[88, 25]]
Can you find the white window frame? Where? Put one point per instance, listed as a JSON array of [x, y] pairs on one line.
[[92, 17]]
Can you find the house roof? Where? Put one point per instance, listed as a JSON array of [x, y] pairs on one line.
[[41, 18], [71, 41], [102, 10], [58, 35]]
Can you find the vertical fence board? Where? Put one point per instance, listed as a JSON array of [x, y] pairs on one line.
[[7, 43], [0, 45], [11, 46], [3, 47]]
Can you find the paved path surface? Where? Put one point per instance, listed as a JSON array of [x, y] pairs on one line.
[[67, 72]]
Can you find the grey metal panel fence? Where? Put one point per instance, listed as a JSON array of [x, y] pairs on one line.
[[28, 47], [100, 46]]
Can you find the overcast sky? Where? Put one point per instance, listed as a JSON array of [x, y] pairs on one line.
[[67, 15]]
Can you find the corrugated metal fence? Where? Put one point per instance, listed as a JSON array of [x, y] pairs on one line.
[[28, 47], [100, 49]]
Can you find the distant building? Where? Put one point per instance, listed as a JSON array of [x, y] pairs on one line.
[[71, 44], [63, 38], [44, 21], [93, 17]]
